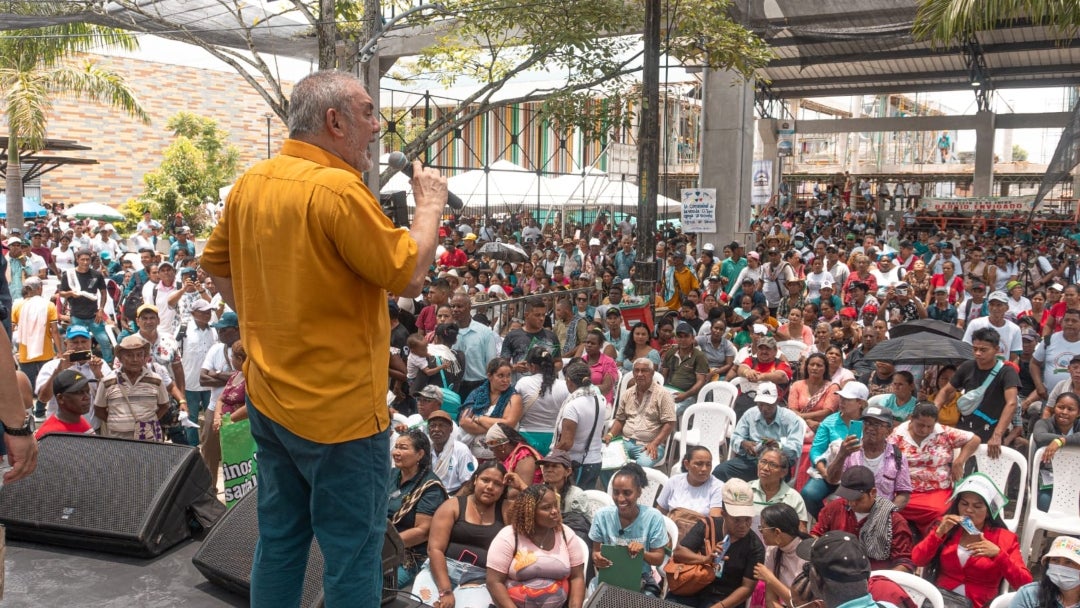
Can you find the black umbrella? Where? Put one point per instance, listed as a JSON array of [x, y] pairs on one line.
[[927, 348], [940, 328], [504, 251]]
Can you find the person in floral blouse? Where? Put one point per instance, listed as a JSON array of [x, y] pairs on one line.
[[928, 447]]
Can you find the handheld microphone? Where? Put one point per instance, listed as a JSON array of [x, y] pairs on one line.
[[398, 162]]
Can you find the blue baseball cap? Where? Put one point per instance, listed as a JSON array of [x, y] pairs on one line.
[[78, 331]]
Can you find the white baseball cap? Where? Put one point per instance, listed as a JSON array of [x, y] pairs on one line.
[[854, 390]]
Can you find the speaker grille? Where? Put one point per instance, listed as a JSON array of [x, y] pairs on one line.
[[607, 596], [105, 493], [226, 555]]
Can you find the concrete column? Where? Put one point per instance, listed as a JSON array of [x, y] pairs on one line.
[[727, 151], [371, 78], [983, 183]]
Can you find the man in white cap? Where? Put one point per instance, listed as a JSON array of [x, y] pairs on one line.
[[34, 324], [197, 339], [735, 580], [105, 242], [595, 260], [766, 423]]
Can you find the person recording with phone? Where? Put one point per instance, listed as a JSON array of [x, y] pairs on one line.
[[76, 357]]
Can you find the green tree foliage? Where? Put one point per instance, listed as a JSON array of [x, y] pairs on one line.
[[949, 21], [194, 168], [1019, 154], [37, 66]]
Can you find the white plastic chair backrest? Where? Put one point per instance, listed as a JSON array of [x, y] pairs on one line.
[[998, 470], [1003, 601], [714, 423], [599, 498], [793, 350], [658, 378], [620, 388], [1066, 482], [672, 532], [676, 468], [720, 392], [657, 481], [583, 546], [917, 588]]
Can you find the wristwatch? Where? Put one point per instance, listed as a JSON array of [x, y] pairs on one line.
[[19, 431]]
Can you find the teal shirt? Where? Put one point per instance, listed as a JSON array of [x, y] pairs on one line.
[[730, 270], [831, 429]]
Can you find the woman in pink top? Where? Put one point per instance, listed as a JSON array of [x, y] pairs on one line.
[[812, 398], [605, 372], [795, 329]]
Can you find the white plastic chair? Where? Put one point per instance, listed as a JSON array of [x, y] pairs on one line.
[[585, 550], [672, 532], [657, 481], [620, 388], [706, 424], [998, 469], [599, 498], [1064, 514], [917, 588], [1003, 601], [793, 350], [720, 392]]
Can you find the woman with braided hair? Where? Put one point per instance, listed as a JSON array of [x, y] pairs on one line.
[[415, 494], [536, 561], [542, 394]]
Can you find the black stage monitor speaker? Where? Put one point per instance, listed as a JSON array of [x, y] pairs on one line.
[[226, 555], [395, 205], [118, 495], [607, 596]]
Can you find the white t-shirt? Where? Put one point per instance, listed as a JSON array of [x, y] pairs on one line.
[[541, 415], [65, 260], [678, 493], [1056, 358], [814, 281], [217, 360], [166, 313], [583, 411], [454, 465], [1010, 335], [197, 342]]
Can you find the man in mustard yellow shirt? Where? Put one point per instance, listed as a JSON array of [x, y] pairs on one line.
[[305, 256]]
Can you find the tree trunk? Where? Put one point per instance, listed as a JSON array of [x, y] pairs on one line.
[[326, 31], [14, 187]]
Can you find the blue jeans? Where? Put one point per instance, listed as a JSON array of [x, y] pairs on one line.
[[636, 452], [814, 493], [1045, 496], [336, 491], [197, 402], [98, 331]]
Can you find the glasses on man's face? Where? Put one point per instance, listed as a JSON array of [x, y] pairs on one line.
[[768, 464]]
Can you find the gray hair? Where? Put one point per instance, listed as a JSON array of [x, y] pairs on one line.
[[314, 95], [643, 361]]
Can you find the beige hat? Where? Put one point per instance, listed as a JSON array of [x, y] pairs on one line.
[[132, 342], [738, 498]]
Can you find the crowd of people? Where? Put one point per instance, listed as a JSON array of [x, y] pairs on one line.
[[520, 389]]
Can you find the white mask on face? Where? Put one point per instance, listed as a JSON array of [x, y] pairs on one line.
[[1063, 576]]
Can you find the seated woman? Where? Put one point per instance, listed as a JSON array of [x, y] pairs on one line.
[[770, 488], [461, 532], [688, 497], [542, 394], [837, 427], [577, 509], [734, 582], [536, 561], [813, 398], [515, 454], [1061, 585], [973, 565], [1060, 429], [638, 528], [492, 402], [415, 494], [782, 531]]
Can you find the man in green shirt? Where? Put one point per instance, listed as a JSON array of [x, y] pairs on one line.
[[731, 267]]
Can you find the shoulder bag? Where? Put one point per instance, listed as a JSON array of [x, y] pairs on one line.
[[689, 579]]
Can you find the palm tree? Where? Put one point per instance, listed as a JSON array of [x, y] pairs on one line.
[[948, 21], [35, 67]]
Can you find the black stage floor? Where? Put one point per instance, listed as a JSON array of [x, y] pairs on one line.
[[43, 575]]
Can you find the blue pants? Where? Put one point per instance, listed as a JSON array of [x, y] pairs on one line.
[[336, 491], [636, 452], [740, 466], [98, 331], [814, 493], [197, 402]]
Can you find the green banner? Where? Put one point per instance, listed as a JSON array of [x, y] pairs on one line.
[[238, 461]]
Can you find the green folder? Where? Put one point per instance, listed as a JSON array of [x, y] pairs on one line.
[[624, 571]]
